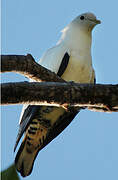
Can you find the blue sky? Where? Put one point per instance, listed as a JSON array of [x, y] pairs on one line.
[[88, 148]]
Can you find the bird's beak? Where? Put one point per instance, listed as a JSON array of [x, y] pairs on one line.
[[95, 21]]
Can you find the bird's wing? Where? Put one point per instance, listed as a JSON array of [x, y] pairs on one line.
[[53, 58], [29, 111], [60, 125], [63, 64], [46, 124], [27, 115]]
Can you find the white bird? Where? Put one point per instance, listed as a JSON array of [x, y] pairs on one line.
[[71, 60]]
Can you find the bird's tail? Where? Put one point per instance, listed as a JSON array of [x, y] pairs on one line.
[[25, 159]]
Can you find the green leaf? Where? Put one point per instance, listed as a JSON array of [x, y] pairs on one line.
[[9, 174]]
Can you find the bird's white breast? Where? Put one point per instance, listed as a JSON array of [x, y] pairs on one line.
[[77, 44], [79, 68]]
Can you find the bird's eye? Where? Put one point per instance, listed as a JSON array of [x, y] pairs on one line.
[[82, 17]]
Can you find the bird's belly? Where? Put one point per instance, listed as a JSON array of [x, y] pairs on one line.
[[78, 71]]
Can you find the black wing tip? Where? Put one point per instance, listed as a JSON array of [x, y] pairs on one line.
[[16, 144], [15, 148], [19, 151], [94, 80], [27, 117], [63, 64], [17, 141]]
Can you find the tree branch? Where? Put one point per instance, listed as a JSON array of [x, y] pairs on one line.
[[94, 97], [27, 66]]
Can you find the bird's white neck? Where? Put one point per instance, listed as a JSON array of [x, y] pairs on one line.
[[76, 38]]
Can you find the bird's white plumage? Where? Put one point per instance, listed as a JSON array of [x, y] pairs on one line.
[[53, 57], [41, 124], [76, 41]]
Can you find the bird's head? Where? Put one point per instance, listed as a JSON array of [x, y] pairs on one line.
[[86, 21], [80, 29]]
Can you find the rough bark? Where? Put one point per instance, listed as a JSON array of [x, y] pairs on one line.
[[95, 97], [27, 66]]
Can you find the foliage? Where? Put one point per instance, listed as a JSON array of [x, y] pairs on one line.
[[9, 173]]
